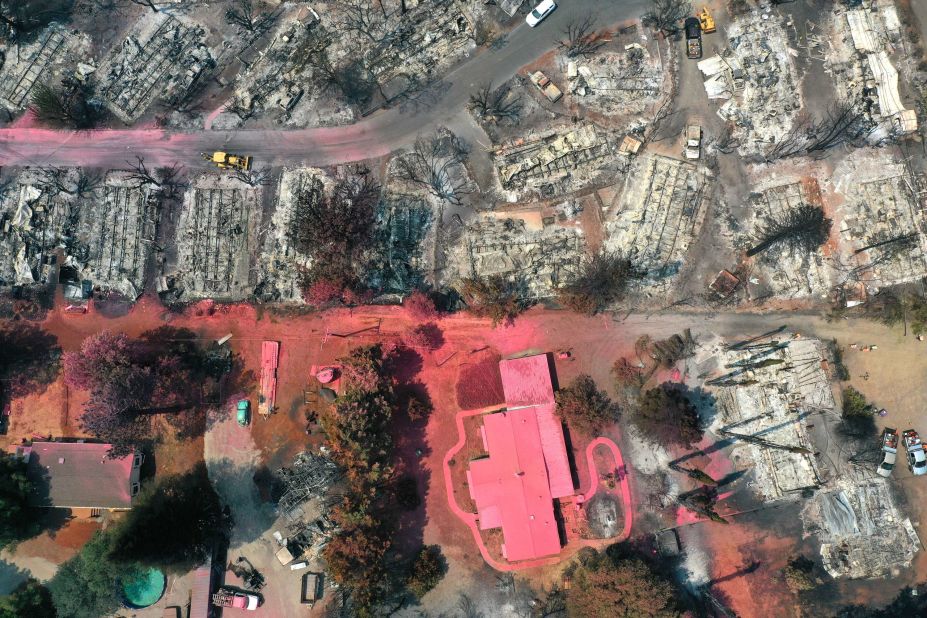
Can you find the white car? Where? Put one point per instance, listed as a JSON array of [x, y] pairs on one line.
[[917, 460], [539, 12]]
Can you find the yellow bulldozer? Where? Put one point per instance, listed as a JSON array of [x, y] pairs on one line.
[[226, 160], [706, 21]]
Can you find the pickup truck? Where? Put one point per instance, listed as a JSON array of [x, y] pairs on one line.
[[544, 84], [226, 597], [693, 141], [889, 452], [693, 31], [917, 459]]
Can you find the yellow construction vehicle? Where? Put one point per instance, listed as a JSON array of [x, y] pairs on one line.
[[707, 21], [225, 160]]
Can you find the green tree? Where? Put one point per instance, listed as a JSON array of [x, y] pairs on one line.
[[855, 405], [173, 525], [427, 570], [17, 520], [29, 358], [622, 588], [584, 406], [799, 574], [85, 585], [667, 415], [30, 598]]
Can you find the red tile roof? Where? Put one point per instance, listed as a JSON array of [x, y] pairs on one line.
[[79, 475], [527, 465]]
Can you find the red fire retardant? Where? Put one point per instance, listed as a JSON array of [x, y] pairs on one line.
[[527, 465]]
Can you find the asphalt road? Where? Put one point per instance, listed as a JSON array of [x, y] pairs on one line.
[[374, 136]]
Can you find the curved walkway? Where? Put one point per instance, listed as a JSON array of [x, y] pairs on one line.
[[471, 519]]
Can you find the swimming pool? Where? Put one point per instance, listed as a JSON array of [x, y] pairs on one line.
[[144, 590]]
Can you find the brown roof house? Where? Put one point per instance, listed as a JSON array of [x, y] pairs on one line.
[[79, 476]]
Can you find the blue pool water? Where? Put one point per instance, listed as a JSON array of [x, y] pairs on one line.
[[146, 590]]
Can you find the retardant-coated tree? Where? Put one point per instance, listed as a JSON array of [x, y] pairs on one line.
[[17, 520], [420, 306], [173, 525], [666, 415], [493, 297], [132, 379], [626, 587], [801, 229], [426, 336], [585, 407], [600, 281], [30, 598], [85, 585]]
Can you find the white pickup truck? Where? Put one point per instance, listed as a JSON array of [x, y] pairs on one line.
[[889, 452], [693, 141], [917, 459]]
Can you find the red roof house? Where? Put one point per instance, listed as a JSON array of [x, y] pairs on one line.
[[527, 466], [80, 475]]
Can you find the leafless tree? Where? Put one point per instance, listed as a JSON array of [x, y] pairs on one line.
[[581, 40], [149, 3], [436, 163], [495, 105], [842, 123], [254, 177], [362, 17], [665, 15], [801, 229], [168, 179], [242, 13]]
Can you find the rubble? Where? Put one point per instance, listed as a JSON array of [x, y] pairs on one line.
[[863, 533], [41, 61], [764, 390], [864, 36], [556, 161], [310, 476], [660, 213], [216, 235], [756, 77], [882, 223], [520, 246], [399, 262], [625, 82], [162, 57]]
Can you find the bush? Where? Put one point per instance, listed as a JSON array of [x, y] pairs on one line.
[[427, 570], [424, 336], [585, 407], [666, 415], [493, 297], [799, 574], [420, 306]]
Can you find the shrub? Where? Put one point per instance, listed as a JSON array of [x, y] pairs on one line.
[[584, 406]]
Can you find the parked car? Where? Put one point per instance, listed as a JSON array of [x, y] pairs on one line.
[[889, 452], [539, 12], [917, 459], [244, 412]]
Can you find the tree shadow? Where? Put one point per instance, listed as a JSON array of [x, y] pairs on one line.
[[238, 490], [11, 576], [29, 359]]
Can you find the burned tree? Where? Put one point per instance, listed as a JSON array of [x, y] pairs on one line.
[[237, 105], [363, 17], [494, 297], [802, 229], [69, 106], [354, 79], [665, 15], [24, 17], [843, 123], [258, 176], [581, 40], [242, 13], [494, 105], [600, 281], [436, 163], [168, 179]]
